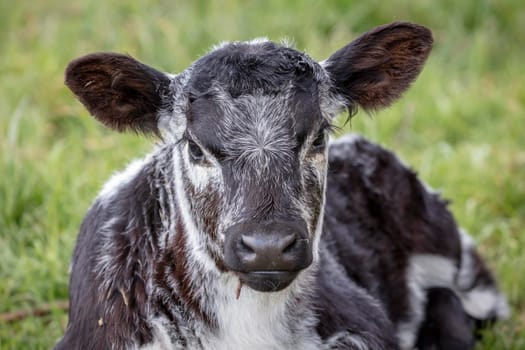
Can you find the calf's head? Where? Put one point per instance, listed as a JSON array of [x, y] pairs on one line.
[[247, 125]]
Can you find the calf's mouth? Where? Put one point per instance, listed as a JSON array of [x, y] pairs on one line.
[[267, 281]]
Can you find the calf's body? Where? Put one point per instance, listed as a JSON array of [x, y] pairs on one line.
[[244, 229]]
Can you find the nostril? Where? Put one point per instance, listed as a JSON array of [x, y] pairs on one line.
[[248, 243], [288, 243]]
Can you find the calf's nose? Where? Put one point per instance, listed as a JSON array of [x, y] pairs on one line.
[[269, 252], [255, 247]]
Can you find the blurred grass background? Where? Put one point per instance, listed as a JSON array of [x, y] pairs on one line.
[[461, 126]]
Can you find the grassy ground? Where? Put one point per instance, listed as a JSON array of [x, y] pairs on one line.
[[461, 126]]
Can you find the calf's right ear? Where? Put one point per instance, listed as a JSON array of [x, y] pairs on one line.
[[119, 91]]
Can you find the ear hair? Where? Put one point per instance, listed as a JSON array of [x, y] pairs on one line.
[[376, 68], [119, 91]]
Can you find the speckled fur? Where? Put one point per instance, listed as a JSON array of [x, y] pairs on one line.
[[149, 272]]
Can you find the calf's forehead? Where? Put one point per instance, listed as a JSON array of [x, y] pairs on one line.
[[253, 67], [257, 89], [219, 121]]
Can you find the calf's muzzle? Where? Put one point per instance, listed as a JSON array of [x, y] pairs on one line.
[[267, 256]]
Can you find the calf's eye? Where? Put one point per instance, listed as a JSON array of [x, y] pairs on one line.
[[319, 143], [195, 152]]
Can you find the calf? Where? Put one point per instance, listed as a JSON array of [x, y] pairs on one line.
[[245, 229]]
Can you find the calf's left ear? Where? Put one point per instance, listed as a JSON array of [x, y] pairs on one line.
[[119, 91], [377, 67]]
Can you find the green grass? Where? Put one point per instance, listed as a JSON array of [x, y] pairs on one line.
[[461, 126]]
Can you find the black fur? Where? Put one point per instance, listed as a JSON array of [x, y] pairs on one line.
[[246, 68], [447, 325], [376, 220]]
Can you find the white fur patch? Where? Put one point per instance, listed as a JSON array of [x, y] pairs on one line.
[[428, 271], [432, 271], [485, 302], [195, 237], [259, 321], [171, 126], [199, 175], [466, 274], [119, 179], [254, 321], [424, 271], [172, 122], [319, 228], [481, 302]]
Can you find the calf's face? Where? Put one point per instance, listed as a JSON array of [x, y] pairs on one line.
[[248, 125]]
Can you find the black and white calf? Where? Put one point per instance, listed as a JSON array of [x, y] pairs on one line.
[[245, 229]]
